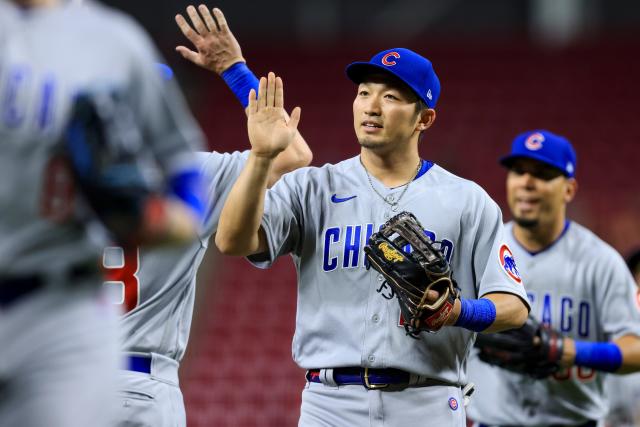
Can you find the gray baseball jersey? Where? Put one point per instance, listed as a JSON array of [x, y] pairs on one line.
[[624, 400], [48, 55], [581, 287], [346, 315], [156, 287]]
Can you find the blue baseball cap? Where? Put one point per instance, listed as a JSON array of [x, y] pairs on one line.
[[413, 69], [546, 147]]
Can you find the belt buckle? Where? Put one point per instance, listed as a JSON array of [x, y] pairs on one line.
[[370, 386]]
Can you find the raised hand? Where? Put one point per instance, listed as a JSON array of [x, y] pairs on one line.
[[269, 130], [217, 48]]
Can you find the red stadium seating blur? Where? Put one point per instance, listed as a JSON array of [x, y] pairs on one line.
[[242, 374]]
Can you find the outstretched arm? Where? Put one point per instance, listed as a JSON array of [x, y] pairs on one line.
[[217, 50], [270, 133]]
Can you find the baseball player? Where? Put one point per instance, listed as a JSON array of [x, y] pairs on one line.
[[59, 346], [156, 287], [349, 333], [624, 390], [576, 283]]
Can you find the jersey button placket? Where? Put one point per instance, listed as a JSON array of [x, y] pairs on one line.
[[374, 337]]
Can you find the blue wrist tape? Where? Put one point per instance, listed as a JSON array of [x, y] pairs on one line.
[[602, 356], [241, 80], [187, 186], [476, 314]]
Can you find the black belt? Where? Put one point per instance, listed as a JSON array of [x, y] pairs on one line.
[[374, 378], [589, 423], [16, 287]]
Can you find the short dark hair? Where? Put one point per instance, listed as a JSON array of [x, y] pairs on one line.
[[420, 106]]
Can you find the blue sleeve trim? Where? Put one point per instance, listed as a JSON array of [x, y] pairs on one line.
[[476, 314], [164, 70], [187, 186], [601, 356], [241, 80]]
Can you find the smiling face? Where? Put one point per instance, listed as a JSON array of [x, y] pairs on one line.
[[386, 113], [538, 193]]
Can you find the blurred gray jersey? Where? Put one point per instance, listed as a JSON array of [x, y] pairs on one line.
[[346, 314], [581, 287], [157, 286], [624, 392], [41, 228]]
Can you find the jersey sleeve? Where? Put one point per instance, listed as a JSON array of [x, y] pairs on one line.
[[615, 288], [282, 221], [494, 265], [220, 172], [165, 119]]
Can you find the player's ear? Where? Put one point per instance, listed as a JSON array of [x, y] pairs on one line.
[[570, 190], [426, 118]]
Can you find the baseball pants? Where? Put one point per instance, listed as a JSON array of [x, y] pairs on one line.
[[58, 359], [355, 406], [150, 395]]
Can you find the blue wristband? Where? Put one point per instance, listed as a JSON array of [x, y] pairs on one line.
[[241, 80], [187, 186], [602, 356], [476, 314]]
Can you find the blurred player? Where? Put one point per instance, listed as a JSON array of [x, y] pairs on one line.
[[79, 89], [157, 286], [624, 390], [576, 283], [362, 368]]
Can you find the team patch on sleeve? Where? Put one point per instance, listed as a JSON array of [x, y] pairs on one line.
[[508, 263]]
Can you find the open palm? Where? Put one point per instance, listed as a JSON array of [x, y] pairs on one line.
[[269, 131], [216, 47]]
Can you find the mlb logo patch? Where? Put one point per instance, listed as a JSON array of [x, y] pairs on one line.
[[508, 263], [534, 142], [570, 168], [453, 404]]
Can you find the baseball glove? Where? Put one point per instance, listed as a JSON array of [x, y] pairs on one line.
[[413, 274], [534, 349], [102, 142]]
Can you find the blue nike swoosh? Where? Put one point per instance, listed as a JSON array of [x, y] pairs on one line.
[[336, 199]]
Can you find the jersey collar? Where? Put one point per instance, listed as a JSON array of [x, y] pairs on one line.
[[564, 231]]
